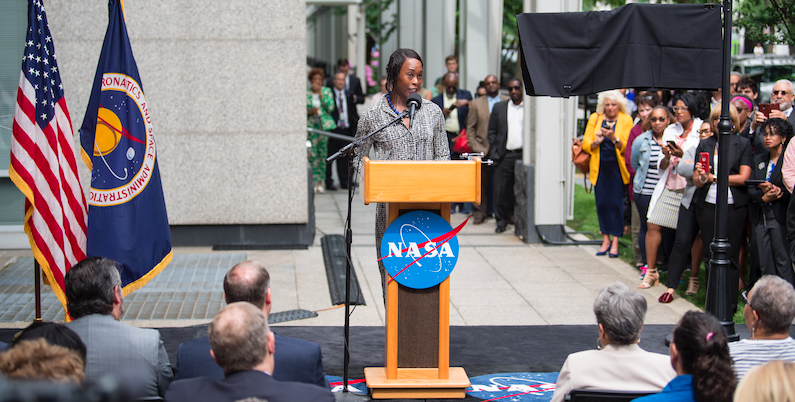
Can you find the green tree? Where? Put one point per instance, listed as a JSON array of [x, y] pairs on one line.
[[767, 21]]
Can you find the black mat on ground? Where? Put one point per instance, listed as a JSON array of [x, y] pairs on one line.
[[479, 349], [335, 258]]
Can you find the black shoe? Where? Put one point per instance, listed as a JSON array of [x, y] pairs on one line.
[[330, 186], [345, 186], [500, 229]]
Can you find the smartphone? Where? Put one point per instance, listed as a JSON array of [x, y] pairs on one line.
[[754, 183], [672, 144], [703, 159], [765, 108], [452, 107]]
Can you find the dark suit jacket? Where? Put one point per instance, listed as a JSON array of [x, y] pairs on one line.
[[498, 131], [462, 111], [758, 172], [353, 115], [295, 360], [245, 384], [740, 155], [355, 86]]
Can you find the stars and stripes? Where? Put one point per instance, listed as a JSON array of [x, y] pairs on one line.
[[43, 164]]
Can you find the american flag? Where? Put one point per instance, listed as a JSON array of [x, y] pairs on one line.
[[43, 164]]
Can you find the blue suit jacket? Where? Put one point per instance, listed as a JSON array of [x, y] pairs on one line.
[[295, 360], [245, 384], [462, 111]]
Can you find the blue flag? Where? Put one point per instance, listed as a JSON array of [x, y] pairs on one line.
[[127, 219]]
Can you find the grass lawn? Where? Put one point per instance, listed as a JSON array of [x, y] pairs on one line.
[[585, 219]]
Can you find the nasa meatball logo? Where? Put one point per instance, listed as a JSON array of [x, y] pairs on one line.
[[124, 145], [419, 249]]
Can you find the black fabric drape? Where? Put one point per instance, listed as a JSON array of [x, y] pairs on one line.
[[672, 46]]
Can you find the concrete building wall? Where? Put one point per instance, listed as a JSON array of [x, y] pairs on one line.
[[226, 82]]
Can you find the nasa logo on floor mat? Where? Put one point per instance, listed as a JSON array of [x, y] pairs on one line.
[[515, 387], [355, 386], [418, 249]]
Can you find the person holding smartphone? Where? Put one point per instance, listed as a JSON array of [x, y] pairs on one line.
[[605, 139], [769, 202], [705, 197]]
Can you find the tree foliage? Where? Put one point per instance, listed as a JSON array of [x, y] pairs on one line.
[[767, 21]]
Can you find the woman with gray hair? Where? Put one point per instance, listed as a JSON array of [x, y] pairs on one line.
[[769, 311], [605, 139], [619, 364]]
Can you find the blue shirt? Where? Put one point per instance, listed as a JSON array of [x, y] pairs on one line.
[[680, 389], [493, 101]]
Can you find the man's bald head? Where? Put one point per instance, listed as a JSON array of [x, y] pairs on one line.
[[239, 337], [247, 281], [450, 82]]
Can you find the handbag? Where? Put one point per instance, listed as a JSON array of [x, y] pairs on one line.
[[582, 161], [460, 144]]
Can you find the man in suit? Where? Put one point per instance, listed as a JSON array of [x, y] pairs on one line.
[[243, 346], [296, 360], [505, 135], [95, 301], [478, 141], [352, 82], [347, 119]]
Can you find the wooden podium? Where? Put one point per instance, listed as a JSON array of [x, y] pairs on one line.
[[417, 355]]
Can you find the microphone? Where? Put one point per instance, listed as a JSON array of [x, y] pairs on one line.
[[414, 102]]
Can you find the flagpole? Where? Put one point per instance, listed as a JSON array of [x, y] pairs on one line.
[[37, 287]]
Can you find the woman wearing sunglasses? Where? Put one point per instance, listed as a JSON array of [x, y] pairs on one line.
[[769, 202], [705, 198]]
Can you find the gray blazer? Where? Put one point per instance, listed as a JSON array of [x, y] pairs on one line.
[[134, 354]]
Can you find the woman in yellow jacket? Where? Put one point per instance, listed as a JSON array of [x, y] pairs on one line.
[[605, 139]]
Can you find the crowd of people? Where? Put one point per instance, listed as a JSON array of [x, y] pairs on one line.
[[656, 178]]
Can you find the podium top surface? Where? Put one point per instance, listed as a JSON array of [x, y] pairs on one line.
[[421, 181]]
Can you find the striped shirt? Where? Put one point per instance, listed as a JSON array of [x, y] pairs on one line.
[[654, 173], [748, 353]]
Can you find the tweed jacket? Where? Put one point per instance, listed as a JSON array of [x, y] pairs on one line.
[[116, 348], [478, 124], [426, 141]]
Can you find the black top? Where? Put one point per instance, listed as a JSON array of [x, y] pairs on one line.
[[740, 154]]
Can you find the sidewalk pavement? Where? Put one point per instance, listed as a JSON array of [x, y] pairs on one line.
[[499, 280]]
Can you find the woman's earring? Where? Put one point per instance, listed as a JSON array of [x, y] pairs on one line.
[[599, 343]]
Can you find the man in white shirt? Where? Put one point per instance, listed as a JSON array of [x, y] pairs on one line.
[[505, 148]]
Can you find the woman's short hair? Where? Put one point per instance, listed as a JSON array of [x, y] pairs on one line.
[[55, 334], [621, 313], [733, 115], [696, 104], [316, 71], [703, 351], [773, 299], [37, 359], [778, 127], [650, 99], [614, 95], [396, 61], [770, 382]]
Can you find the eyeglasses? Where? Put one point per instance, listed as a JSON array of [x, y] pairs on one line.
[[779, 93], [705, 130], [515, 88], [678, 109], [656, 119], [745, 298], [769, 134]]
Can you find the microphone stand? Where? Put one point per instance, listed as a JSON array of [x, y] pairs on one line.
[[348, 149]]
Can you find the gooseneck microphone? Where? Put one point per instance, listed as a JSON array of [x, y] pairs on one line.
[[414, 102]]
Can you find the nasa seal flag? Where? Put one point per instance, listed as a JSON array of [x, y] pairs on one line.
[[420, 249], [127, 219]]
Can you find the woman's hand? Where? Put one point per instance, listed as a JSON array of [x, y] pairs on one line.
[[700, 178], [675, 150], [312, 111], [772, 193], [608, 133], [599, 139]]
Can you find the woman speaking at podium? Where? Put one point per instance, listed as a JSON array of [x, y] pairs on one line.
[[426, 140]]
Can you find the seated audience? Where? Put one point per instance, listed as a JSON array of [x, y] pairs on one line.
[[771, 382], [243, 346], [296, 360], [55, 334], [36, 359], [700, 356], [769, 310], [95, 301], [620, 364]]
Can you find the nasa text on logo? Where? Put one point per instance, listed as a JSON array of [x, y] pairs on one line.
[[123, 141], [419, 249]]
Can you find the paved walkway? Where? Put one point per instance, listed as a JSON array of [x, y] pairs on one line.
[[499, 280]]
